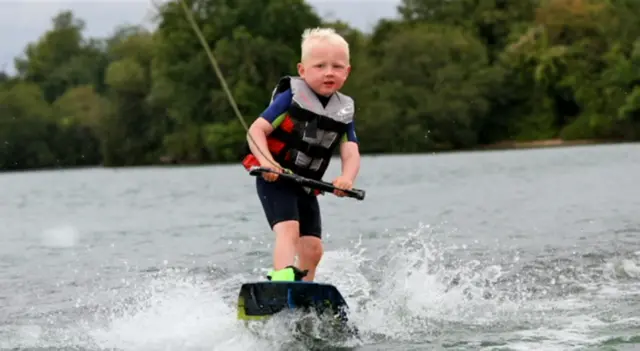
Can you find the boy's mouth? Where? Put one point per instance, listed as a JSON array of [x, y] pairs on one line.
[[328, 84]]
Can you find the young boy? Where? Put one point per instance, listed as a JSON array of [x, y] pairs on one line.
[[307, 119]]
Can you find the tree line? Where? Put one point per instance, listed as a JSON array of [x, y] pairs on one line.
[[445, 75]]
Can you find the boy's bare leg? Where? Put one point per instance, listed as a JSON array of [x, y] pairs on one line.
[[310, 252], [284, 251]]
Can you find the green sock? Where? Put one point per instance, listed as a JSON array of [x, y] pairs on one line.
[[283, 275]]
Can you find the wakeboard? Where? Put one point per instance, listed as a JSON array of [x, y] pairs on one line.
[[262, 300]]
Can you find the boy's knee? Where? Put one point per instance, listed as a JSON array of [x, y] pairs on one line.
[[287, 229]]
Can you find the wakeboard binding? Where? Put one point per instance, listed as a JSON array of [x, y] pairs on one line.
[[289, 273]]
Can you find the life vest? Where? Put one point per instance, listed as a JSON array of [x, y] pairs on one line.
[[307, 134]]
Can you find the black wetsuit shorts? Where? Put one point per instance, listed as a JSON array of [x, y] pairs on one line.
[[286, 201]]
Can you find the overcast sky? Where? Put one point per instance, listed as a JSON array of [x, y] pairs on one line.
[[23, 21]]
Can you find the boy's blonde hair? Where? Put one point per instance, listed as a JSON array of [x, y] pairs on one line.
[[312, 36]]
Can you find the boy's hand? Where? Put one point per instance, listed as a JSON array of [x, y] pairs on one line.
[[271, 176], [344, 183]]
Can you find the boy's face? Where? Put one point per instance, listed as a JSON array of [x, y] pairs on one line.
[[326, 68]]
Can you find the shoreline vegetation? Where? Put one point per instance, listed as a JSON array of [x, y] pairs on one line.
[[506, 145], [547, 143], [510, 75], [499, 146]]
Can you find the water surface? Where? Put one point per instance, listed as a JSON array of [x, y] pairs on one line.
[[505, 250]]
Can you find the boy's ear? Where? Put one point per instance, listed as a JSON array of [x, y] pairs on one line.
[[301, 70]]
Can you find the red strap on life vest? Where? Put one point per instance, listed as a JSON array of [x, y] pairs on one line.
[[275, 146]]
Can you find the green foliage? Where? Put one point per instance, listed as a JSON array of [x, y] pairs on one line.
[[446, 75], [25, 122]]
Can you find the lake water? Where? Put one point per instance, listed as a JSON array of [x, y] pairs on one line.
[[502, 250]]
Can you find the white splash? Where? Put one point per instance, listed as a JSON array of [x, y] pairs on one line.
[[411, 292], [60, 237]]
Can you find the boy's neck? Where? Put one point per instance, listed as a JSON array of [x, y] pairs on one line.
[[324, 100]]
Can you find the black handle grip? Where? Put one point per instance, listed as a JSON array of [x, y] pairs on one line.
[[311, 183]]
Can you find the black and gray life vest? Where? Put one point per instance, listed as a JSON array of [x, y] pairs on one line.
[[310, 131]]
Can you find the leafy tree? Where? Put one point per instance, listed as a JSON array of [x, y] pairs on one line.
[[445, 75]]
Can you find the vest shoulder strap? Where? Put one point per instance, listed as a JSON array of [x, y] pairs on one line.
[[283, 84]]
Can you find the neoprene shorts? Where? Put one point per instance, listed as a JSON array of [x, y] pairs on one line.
[[284, 201]]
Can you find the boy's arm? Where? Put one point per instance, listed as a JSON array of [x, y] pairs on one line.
[[264, 125], [257, 139], [350, 154]]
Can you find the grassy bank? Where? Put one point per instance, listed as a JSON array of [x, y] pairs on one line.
[[506, 145]]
